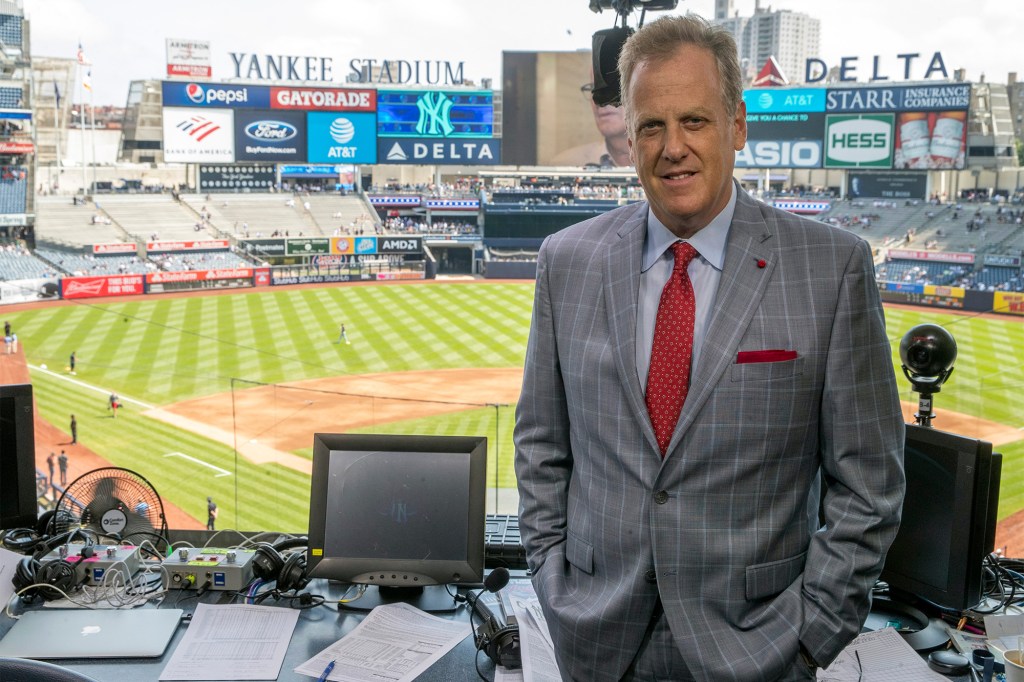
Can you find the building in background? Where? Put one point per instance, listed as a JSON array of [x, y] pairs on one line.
[[790, 37]]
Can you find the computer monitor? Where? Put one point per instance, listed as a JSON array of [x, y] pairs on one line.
[[949, 518], [402, 514], [18, 507]]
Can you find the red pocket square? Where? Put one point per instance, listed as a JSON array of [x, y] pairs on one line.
[[745, 356]]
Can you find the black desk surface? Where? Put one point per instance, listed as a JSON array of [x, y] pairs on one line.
[[317, 628]]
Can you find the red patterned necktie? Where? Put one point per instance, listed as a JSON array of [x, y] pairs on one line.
[[669, 376]]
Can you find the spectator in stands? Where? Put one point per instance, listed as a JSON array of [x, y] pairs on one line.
[[650, 536]]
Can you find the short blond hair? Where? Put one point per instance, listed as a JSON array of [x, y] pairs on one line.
[[659, 40]]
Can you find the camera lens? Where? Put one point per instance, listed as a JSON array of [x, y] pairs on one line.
[[920, 357]]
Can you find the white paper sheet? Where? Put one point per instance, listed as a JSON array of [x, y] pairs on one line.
[[394, 643], [884, 657], [233, 642]]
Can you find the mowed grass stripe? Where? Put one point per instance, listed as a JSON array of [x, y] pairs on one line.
[[383, 321], [269, 496]]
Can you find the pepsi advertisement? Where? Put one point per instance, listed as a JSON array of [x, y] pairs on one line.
[[270, 135], [178, 94]]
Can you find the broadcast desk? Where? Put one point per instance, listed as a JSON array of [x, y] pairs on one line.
[[317, 628]]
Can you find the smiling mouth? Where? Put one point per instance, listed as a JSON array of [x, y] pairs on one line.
[[682, 175]]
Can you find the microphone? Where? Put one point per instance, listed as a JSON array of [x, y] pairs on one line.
[[498, 634]]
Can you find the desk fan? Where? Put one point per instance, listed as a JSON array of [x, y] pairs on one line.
[[112, 502]]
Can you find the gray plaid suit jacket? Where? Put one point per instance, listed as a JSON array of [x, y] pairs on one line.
[[726, 521]]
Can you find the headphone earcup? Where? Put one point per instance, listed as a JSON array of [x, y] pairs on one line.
[[266, 563], [293, 573]]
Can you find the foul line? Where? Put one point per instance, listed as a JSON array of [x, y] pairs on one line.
[[223, 472], [58, 375]]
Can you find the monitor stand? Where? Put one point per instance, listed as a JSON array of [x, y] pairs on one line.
[[429, 598], [919, 631]]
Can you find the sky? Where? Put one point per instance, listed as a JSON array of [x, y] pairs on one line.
[[125, 39]]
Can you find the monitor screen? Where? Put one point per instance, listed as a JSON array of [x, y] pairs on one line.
[[401, 513], [17, 457], [948, 523]]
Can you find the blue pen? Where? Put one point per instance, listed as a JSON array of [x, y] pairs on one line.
[[326, 672]]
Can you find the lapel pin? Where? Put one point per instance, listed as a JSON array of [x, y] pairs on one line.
[[761, 262]]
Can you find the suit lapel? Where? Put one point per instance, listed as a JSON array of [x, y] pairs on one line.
[[622, 289], [740, 289]]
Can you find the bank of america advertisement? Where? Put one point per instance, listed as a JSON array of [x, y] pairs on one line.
[[198, 135]]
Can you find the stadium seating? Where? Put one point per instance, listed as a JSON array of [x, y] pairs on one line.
[[17, 263], [60, 220], [177, 262], [256, 213], [13, 188], [77, 263], [144, 216]]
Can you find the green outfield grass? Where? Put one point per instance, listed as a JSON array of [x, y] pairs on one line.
[[163, 350]]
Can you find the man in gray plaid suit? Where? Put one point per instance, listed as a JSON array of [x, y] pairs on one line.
[[705, 560]]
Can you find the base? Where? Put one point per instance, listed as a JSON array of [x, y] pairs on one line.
[[429, 598], [919, 631]]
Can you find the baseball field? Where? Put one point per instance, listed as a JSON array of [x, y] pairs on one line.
[[222, 392]]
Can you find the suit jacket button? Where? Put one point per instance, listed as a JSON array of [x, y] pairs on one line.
[[651, 576], [661, 497]]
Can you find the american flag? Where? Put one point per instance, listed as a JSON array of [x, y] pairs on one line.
[[81, 55]]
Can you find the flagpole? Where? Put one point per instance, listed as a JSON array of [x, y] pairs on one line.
[[56, 130], [81, 128], [92, 129]]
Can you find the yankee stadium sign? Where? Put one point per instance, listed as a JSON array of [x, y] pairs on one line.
[[321, 69]]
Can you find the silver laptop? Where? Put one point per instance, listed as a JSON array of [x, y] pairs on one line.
[[91, 633]]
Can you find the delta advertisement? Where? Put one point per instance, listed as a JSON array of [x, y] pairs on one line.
[[436, 127]]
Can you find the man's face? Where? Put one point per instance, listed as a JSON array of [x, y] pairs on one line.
[[683, 141], [609, 119]]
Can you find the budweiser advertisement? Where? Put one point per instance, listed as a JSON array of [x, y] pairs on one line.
[[93, 287]]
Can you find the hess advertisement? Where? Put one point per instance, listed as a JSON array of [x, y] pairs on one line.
[[859, 140]]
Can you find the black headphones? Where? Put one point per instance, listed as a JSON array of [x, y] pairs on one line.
[[268, 564], [60, 573]]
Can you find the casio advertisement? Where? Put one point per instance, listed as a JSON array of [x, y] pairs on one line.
[[782, 140], [270, 135]]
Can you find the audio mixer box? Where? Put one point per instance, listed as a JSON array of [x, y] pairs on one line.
[[192, 568]]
